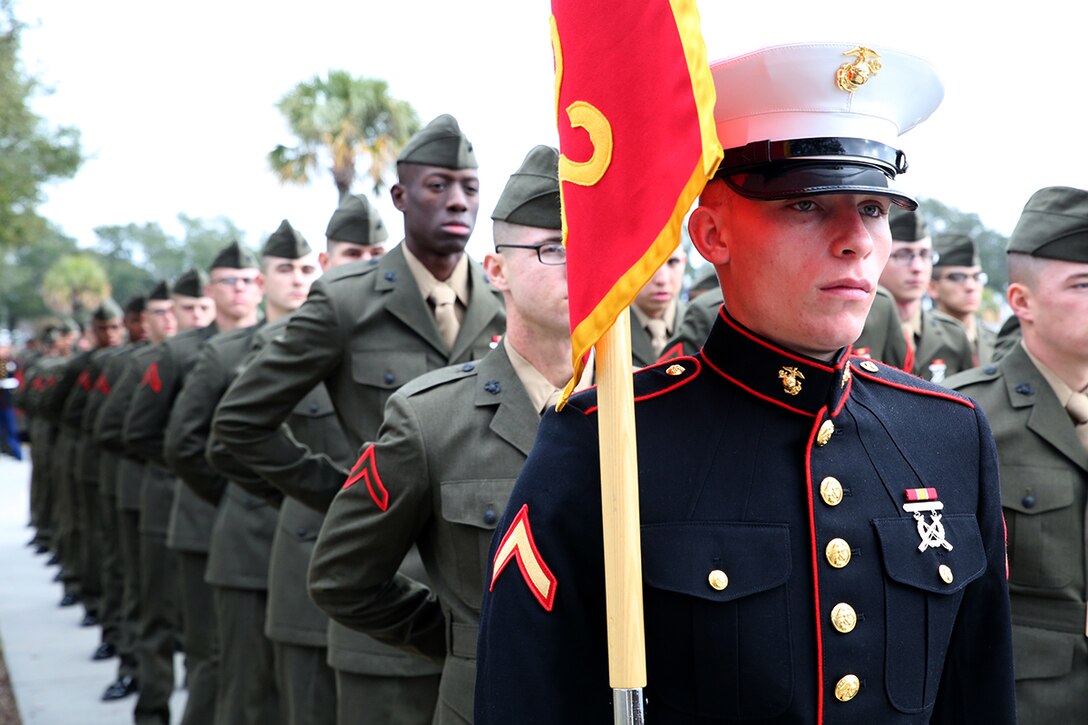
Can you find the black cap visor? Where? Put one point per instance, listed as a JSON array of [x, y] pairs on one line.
[[793, 179]]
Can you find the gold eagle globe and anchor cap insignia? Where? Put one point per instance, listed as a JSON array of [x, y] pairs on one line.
[[852, 76], [791, 379]]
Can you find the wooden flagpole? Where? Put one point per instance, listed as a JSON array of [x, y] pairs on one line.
[[620, 512]]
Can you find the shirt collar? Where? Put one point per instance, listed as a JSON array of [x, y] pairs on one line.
[[426, 281]]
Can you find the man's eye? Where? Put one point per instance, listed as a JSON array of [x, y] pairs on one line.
[[804, 205], [873, 210]]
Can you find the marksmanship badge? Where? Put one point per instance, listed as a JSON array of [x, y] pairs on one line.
[[919, 502]]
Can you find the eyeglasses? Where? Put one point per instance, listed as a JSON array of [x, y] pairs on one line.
[[552, 253], [233, 281], [961, 277], [906, 257]]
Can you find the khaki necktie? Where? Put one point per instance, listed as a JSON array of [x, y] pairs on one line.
[[1078, 411], [658, 334], [445, 315]]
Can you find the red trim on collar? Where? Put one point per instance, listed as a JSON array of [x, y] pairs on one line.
[[656, 393], [920, 391], [761, 396], [776, 349], [815, 568]]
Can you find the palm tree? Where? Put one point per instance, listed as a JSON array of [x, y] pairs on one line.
[[74, 283], [343, 119]]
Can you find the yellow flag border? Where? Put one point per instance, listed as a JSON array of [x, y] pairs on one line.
[[604, 315]]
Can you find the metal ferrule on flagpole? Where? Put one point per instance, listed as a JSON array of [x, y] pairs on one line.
[[627, 706]]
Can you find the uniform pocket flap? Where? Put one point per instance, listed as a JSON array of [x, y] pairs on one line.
[[905, 563], [717, 561], [1036, 490], [477, 503], [386, 369], [1041, 652]]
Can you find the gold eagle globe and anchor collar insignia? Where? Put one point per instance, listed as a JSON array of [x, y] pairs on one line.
[[853, 75], [791, 379], [921, 501]]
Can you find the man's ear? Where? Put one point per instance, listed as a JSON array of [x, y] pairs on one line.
[[397, 193], [495, 269], [709, 234], [1020, 300]]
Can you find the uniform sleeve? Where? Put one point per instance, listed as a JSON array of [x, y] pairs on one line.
[[54, 398], [249, 420], [369, 528], [190, 423], [228, 466], [149, 412], [977, 683], [542, 648], [110, 421]]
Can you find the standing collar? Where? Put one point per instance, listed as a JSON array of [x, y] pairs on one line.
[[772, 373]]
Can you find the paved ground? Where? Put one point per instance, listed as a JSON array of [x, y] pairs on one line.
[[48, 654]]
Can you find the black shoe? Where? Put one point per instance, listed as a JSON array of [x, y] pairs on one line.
[[90, 619], [69, 599], [120, 688], [53, 560], [40, 548], [105, 651], [59, 576]]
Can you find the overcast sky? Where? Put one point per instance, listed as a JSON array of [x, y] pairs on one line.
[[176, 101]]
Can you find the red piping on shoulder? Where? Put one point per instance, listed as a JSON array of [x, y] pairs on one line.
[[656, 393], [909, 389]]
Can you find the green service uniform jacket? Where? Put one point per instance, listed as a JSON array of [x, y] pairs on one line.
[[240, 537], [642, 348], [145, 429], [364, 331], [1044, 489], [438, 477], [943, 349], [121, 375], [692, 330], [882, 337]]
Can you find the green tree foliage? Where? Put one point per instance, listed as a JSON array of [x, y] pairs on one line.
[[341, 120], [158, 254], [31, 153], [22, 267], [74, 284]]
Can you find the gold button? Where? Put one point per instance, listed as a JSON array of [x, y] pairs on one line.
[[824, 434], [946, 573], [831, 491], [846, 689], [844, 618], [838, 553], [870, 366], [674, 370], [845, 377], [718, 580]]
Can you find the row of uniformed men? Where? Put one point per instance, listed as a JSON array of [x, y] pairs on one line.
[[183, 498]]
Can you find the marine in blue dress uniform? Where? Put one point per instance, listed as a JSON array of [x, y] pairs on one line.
[[821, 533]]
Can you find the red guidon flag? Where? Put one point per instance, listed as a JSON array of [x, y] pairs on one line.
[[637, 142]]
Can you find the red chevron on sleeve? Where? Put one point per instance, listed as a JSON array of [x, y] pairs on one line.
[[366, 468], [84, 380], [518, 544], [151, 377]]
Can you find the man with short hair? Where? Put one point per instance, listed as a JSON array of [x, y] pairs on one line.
[[1036, 398], [299, 631], [158, 322], [937, 346], [658, 311], [364, 331], [821, 534], [241, 536], [956, 290], [234, 286], [451, 444]]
